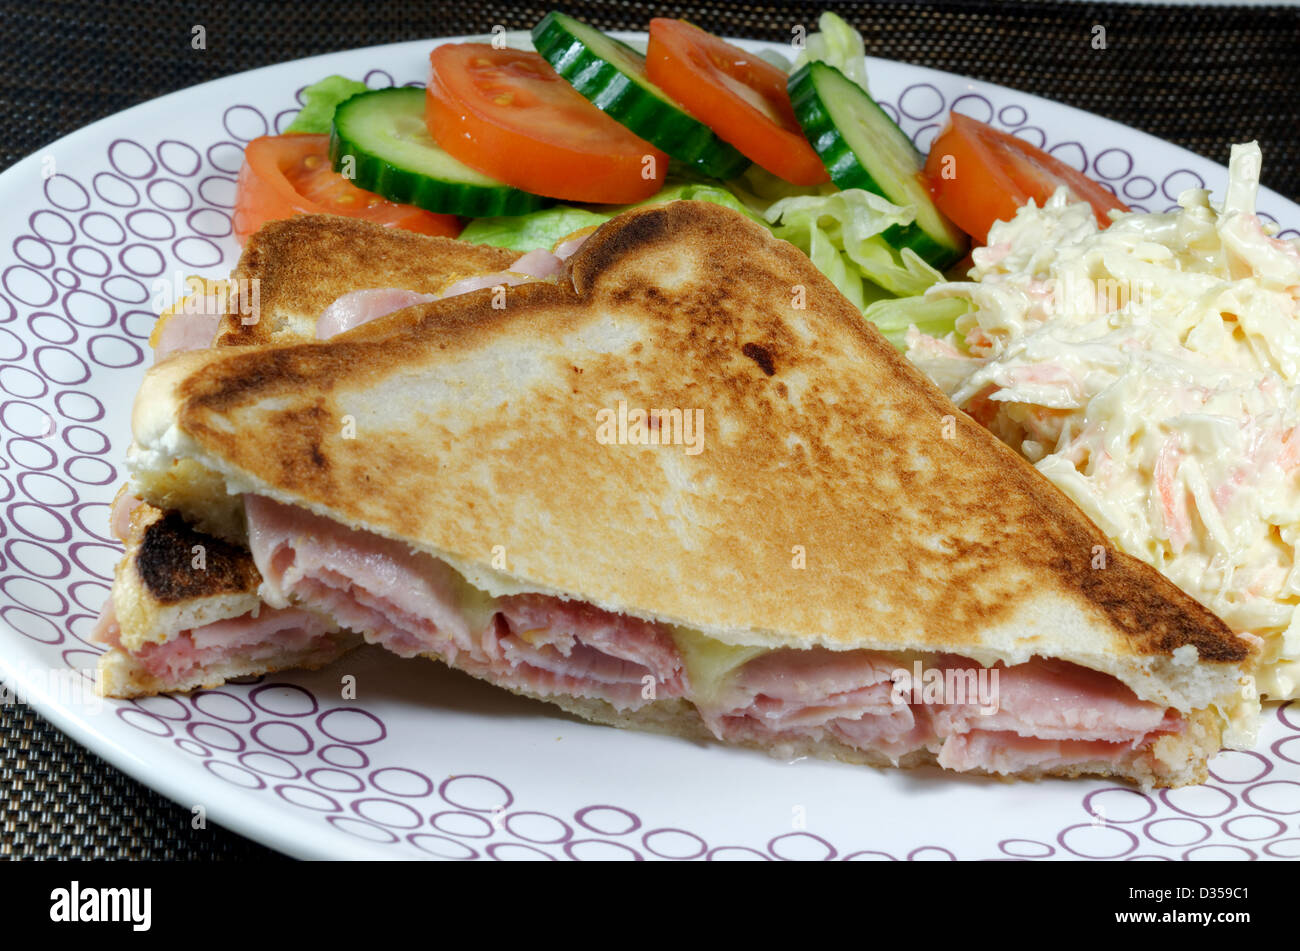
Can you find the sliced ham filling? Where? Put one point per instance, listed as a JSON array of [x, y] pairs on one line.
[[284, 634], [119, 516], [412, 603], [1045, 713], [361, 307], [184, 331]]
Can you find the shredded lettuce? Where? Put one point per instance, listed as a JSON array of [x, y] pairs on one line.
[[843, 234], [838, 45], [843, 231], [322, 99], [934, 316], [543, 229]]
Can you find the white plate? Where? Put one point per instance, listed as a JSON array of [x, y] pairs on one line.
[[426, 761]]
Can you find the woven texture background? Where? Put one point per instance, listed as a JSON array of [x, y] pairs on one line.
[[59, 801], [1201, 77]]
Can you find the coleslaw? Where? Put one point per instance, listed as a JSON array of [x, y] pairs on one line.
[[1151, 370]]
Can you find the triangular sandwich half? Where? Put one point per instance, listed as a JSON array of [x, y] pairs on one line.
[[804, 548]]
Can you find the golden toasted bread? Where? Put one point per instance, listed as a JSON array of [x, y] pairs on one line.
[[291, 270]]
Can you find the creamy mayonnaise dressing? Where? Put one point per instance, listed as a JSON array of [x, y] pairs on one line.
[[1151, 370]]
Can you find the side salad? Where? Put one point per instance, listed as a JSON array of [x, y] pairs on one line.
[[524, 148]]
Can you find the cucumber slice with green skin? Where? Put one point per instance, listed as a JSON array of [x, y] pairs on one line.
[[612, 75], [392, 154], [862, 147]]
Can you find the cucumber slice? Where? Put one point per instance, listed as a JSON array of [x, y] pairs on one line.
[[393, 155], [612, 75], [861, 147]]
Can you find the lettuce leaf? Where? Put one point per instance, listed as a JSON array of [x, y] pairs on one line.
[[838, 45], [322, 98], [758, 188], [843, 234], [697, 192], [934, 316], [779, 60], [545, 228], [540, 229]]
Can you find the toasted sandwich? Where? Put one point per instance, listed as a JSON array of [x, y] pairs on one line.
[[685, 488], [185, 609]]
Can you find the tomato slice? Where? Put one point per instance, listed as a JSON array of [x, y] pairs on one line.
[[287, 175], [737, 94], [510, 115], [979, 175]]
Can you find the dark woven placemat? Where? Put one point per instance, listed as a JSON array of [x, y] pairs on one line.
[[1201, 77], [59, 801]]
